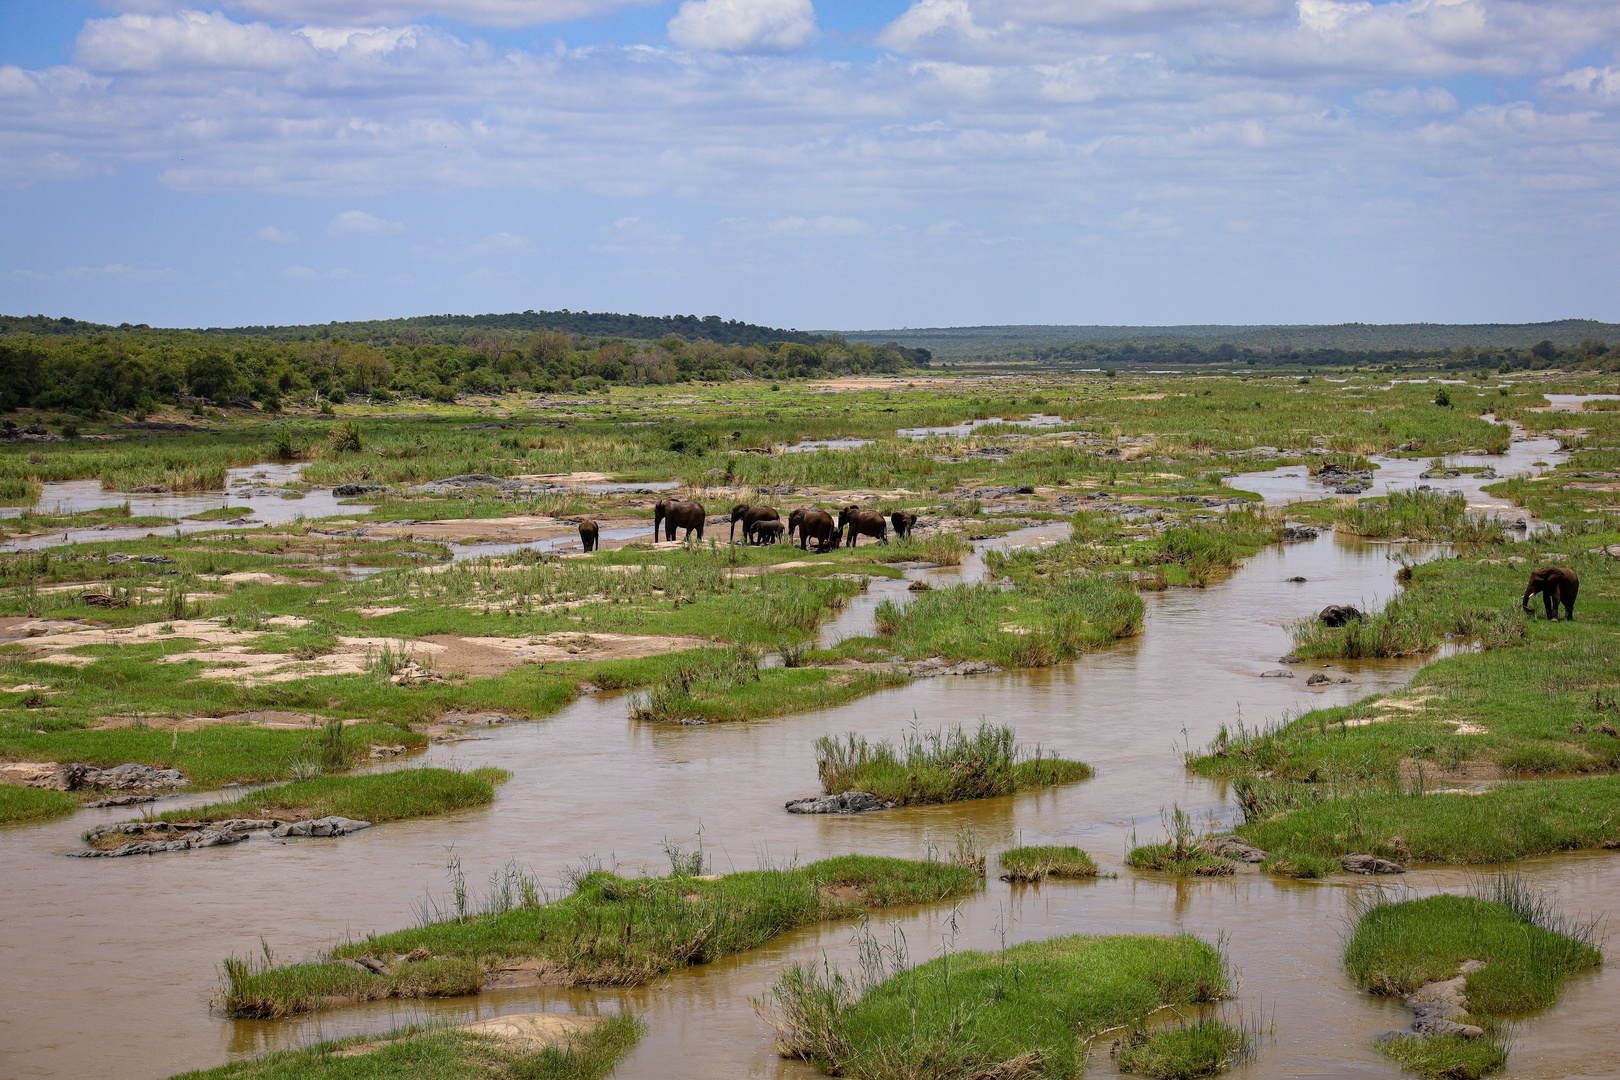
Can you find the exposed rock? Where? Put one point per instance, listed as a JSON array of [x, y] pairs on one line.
[[919, 586], [150, 489], [1230, 847], [850, 802], [1277, 673], [1296, 579], [120, 800], [1370, 864], [1318, 679], [934, 666], [350, 491], [326, 826], [1352, 489], [1289, 659], [80, 777]]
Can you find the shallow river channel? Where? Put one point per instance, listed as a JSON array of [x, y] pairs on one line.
[[109, 964]]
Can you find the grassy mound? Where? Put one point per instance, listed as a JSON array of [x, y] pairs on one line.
[[1040, 863], [33, 804], [1203, 1048], [1418, 515], [1181, 853], [611, 931], [730, 685], [374, 797], [1508, 822], [940, 766], [428, 1054], [1023, 1012], [1526, 948]]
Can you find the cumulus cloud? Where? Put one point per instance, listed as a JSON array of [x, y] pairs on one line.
[[185, 41], [360, 223], [744, 26], [497, 13], [272, 235]]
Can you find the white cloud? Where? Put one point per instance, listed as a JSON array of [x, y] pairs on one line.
[[1599, 85], [744, 26], [188, 40], [360, 223], [501, 13], [272, 235], [299, 273]]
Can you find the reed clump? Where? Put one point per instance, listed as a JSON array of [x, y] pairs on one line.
[[1037, 863], [941, 766]]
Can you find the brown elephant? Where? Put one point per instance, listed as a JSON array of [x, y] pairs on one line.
[[862, 523], [589, 534], [748, 515], [766, 532], [1557, 585], [1338, 615], [903, 522], [811, 523], [673, 514]]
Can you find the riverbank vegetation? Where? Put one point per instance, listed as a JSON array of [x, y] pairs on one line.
[[1513, 950], [1024, 1011], [33, 804], [397, 795], [1037, 863], [1204, 1047], [612, 931], [434, 1053], [941, 766]]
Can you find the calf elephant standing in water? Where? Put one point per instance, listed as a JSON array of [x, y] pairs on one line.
[[903, 521], [589, 534], [862, 523], [1557, 585], [678, 515]]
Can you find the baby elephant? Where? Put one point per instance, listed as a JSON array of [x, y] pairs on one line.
[[1557, 585], [903, 521], [767, 532], [588, 534]]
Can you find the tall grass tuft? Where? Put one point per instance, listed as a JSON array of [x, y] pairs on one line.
[[946, 765]]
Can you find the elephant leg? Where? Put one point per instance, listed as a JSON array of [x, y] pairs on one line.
[[1550, 599], [1569, 602]]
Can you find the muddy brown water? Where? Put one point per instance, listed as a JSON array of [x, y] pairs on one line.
[[109, 965]]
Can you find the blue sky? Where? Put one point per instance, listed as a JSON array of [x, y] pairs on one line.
[[811, 163]]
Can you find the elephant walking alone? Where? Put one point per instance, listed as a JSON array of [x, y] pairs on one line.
[[589, 534], [903, 521], [1557, 585]]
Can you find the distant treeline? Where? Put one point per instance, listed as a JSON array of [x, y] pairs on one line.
[[1591, 354], [88, 369], [453, 329]]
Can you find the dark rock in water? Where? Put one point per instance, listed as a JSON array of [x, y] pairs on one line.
[[919, 586], [1352, 489], [1300, 532], [326, 826], [1370, 864], [1318, 679], [1289, 659], [850, 802], [350, 491], [1296, 578], [1338, 615], [150, 489], [1279, 673]]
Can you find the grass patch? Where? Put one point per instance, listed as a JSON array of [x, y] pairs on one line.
[[33, 804], [1023, 1012], [1527, 949], [221, 513], [1203, 1048], [1040, 863], [611, 931], [1509, 822], [1418, 515], [373, 797], [439, 1054], [942, 766], [731, 685], [1182, 853]]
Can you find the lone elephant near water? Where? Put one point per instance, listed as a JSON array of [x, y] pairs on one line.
[[812, 523], [860, 522], [749, 516], [903, 521], [1338, 615], [673, 515], [1557, 585], [589, 534]]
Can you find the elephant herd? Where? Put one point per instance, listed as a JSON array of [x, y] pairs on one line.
[[764, 525]]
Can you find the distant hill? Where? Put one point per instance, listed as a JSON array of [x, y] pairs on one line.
[[452, 328], [988, 342]]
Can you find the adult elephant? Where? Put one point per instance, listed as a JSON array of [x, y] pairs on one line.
[[589, 534], [1337, 615], [860, 522], [766, 532], [903, 521], [1557, 585], [749, 516], [673, 514], [813, 524]]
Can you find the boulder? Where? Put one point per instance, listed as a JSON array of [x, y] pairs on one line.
[[1318, 679], [850, 802], [350, 491], [1370, 864], [1277, 673], [1230, 847]]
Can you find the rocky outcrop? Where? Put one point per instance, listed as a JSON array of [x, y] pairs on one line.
[[332, 825], [1300, 532], [352, 491], [155, 837], [117, 558], [850, 802], [1440, 1008], [1277, 673], [1230, 847], [79, 777], [1320, 679]]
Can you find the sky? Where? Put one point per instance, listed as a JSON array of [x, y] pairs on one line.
[[814, 164]]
